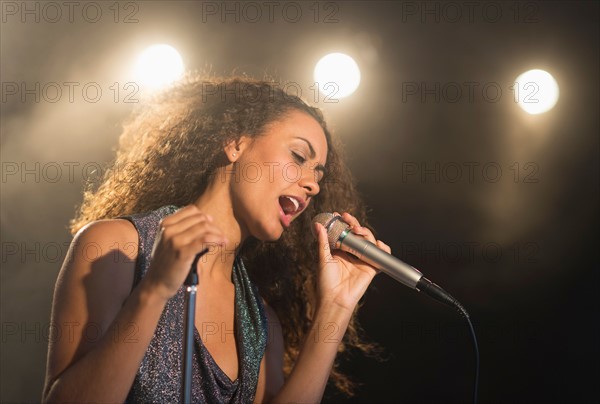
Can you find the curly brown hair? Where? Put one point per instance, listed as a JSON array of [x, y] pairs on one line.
[[169, 153]]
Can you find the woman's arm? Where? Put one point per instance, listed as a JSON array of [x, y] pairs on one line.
[[343, 279], [102, 331], [105, 331], [308, 379]]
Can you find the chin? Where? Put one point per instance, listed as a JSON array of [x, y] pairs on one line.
[[275, 236], [272, 234]]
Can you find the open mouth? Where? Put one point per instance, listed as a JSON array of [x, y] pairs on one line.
[[290, 206]]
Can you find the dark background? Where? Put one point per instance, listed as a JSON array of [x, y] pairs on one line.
[[518, 247]]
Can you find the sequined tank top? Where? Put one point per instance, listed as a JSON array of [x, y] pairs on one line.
[[159, 377]]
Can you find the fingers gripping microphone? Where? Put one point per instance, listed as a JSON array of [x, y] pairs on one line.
[[340, 237]]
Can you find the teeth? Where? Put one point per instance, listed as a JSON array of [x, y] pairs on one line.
[[296, 203]]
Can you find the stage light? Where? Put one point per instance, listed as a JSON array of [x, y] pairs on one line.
[[158, 66], [337, 75], [536, 91]]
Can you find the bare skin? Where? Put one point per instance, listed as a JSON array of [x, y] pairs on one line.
[[97, 291]]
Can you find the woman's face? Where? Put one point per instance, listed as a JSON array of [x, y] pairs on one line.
[[277, 174]]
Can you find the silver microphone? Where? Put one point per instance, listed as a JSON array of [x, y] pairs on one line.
[[341, 238]]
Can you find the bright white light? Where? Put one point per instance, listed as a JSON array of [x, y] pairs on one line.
[[158, 66], [536, 91], [337, 76]]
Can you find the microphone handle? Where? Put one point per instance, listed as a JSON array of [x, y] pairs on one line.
[[387, 263], [392, 266]]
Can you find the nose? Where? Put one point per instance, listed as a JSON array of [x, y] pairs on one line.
[[308, 181]]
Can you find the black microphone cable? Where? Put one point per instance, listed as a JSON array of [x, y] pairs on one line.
[[434, 291]]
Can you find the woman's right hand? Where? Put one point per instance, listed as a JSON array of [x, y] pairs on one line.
[[181, 237]]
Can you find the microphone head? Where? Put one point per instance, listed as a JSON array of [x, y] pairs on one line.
[[334, 225]]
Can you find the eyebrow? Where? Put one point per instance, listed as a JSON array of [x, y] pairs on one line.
[[319, 167]]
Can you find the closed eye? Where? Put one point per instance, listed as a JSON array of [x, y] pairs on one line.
[[300, 159]]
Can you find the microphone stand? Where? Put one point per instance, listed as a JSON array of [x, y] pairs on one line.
[[190, 283]]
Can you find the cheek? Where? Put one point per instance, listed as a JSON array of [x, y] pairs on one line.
[[251, 191], [289, 173], [251, 174], [265, 175]]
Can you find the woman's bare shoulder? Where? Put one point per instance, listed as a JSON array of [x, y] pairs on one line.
[[107, 231], [102, 258], [95, 280]]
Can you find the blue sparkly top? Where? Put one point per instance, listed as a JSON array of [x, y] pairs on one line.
[[159, 377]]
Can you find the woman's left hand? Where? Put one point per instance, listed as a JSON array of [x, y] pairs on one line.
[[343, 278]]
